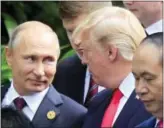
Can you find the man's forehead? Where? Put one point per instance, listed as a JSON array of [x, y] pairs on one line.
[[34, 24], [31, 37]]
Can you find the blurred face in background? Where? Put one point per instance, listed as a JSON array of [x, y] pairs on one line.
[[144, 10], [71, 24], [147, 70]]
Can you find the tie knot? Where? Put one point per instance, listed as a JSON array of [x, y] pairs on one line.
[[160, 124], [20, 103], [92, 83]]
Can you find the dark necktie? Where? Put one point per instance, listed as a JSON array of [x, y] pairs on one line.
[[160, 124], [93, 90], [20, 103], [111, 110]]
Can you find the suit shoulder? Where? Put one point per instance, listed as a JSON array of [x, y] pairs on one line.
[[70, 61], [100, 97], [71, 65], [73, 105], [149, 123]]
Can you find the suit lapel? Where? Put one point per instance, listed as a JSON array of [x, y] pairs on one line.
[[100, 106], [77, 79], [51, 102], [150, 123], [128, 111]]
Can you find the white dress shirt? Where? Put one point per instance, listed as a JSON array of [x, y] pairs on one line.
[[87, 83], [33, 101], [157, 120], [154, 28], [126, 87]]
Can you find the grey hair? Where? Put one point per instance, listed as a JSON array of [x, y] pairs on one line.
[[14, 39], [157, 40], [16, 35]]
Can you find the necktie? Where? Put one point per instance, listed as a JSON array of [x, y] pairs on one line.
[[160, 124], [93, 90], [111, 110], [20, 103]]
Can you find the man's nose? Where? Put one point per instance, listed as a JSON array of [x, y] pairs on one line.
[[39, 70], [83, 60], [141, 87]]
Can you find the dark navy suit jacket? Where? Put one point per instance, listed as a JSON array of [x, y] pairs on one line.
[[70, 78], [132, 114], [69, 114], [150, 123]]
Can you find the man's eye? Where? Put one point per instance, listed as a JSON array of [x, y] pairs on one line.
[[30, 58], [69, 33], [80, 51], [137, 78], [49, 60], [148, 79]]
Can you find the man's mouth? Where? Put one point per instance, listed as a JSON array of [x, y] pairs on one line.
[[38, 82]]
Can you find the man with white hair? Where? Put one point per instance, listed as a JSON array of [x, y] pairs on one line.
[[32, 54], [106, 41]]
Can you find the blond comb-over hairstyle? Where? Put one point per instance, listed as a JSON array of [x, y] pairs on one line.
[[115, 26]]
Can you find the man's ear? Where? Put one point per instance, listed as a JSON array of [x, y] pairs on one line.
[[9, 56], [112, 52]]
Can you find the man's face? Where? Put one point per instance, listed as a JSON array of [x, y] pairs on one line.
[[95, 57], [148, 74], [142, 10], [71, 24], [33, 62]]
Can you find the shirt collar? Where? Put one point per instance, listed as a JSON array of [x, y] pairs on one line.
[[157, 120], [33, 101], [155, 27], [128, 85], [11, 95]]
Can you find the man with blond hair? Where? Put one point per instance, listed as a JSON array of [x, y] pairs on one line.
[[32, 54], [106, 41], [72, 78]]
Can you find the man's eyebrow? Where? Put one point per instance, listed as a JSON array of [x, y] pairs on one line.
[[144, 73]]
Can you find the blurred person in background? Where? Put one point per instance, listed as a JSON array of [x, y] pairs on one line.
[[72, 77], [149, 14], [11, 118]]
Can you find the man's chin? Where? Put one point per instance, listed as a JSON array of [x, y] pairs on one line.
[[37, 89]]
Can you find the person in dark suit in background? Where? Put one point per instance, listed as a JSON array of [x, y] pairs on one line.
[[72, 78], [147, 68], [149, 14], [11, 118], [106, 41], [32, 54]]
